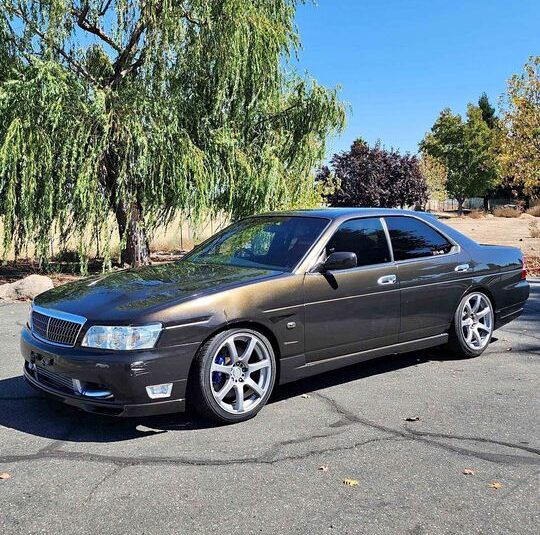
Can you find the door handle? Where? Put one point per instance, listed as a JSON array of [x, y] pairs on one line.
[[462, 267], [387, 279]]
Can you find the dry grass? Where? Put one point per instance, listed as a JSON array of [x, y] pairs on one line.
[[476, 215], [534, 230], [506, 211], [535, 211], [533, 266]]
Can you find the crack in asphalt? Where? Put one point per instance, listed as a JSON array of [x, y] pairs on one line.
[[123, 462], [54, 450], [521, 333], [102, 481], [425, 436]]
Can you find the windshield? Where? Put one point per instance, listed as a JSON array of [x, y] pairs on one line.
[[268, 242]]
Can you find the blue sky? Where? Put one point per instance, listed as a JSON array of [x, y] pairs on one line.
[[399, 62]]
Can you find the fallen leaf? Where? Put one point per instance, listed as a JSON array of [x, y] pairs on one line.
[[412, 418], [350, 482], [5, 475], [323, 468], [496, 485], [468, 472], [305, 396]]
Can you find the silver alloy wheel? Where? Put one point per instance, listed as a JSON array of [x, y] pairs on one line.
[[241, 373], [477, 321]]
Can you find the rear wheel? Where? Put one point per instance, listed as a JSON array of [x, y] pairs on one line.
[[472, 326], [233, 376]]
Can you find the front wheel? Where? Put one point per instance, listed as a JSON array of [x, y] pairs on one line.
[[472, 326], [233, 376]]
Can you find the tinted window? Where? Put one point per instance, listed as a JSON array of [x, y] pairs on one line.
[[412, 238], [365, 237], [272, 242]]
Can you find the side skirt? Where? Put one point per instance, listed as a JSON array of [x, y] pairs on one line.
[[296, 367]]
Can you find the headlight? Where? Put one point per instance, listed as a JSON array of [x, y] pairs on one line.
[[122, 338]]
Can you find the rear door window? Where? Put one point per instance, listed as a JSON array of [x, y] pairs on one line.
[[365, 237], [412, 238]]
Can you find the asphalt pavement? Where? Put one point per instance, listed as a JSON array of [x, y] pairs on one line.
[[284, 471]]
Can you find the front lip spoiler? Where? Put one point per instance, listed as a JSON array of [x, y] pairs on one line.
[[108, 408]]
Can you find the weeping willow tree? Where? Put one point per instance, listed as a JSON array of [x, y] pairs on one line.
[[143, 108]]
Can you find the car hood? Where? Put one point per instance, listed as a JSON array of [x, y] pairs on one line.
[[131, 294]]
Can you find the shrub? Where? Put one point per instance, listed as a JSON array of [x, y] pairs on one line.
[[374, 176], [535, 211], [506, 211]]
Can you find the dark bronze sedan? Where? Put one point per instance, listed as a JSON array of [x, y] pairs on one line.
[[272, 298]]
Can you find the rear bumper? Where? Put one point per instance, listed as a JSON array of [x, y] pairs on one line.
[[506, 315], [514, 294], [124, 375]]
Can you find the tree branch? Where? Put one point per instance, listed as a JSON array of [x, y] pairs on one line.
[[80, 14], [120, 63], [187, 15], [72, 62], [104, 8], [277, 115]]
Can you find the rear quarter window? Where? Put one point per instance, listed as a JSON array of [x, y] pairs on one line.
[[412, 238]]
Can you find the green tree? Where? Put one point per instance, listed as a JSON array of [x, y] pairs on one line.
[[466, 149], [142, 108], [435, 173], [489, 116], [488, 111], [520, 109]]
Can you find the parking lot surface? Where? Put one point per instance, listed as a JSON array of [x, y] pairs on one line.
[[284, 471]]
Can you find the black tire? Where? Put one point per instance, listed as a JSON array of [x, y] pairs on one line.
[[200, 387], [457, 344]]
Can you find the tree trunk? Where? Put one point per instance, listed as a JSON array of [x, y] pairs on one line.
[[460, 201], [135, 252]]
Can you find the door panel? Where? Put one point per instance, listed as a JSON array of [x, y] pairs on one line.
[[349, 311], [433, 274], [430, 293]]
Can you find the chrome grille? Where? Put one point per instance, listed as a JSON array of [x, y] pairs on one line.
[[55, 329], [54, 379]]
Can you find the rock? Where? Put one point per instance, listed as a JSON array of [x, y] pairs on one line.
[[525, 215], [26, 288]]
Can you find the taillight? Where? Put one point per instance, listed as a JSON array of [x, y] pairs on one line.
[[523, 270]]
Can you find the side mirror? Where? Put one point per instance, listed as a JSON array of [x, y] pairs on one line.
[[340, 260]]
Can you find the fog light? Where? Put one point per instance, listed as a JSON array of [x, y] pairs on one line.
[[159, 391]]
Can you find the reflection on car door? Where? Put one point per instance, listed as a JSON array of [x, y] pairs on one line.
[[353, 310], [433, 275]]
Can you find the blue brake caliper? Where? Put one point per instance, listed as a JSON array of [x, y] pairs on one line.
[[217, 377]]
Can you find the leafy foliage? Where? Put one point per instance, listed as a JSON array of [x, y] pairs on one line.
[[435, 173], [374, 176], [467, 151], [143, 108], [488, 111], [520, 156]]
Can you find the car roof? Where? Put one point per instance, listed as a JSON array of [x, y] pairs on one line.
[[346, 213]]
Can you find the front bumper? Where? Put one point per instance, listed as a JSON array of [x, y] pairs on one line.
[[123, 375]]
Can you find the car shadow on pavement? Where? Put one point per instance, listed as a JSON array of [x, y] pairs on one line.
[[28, 411]]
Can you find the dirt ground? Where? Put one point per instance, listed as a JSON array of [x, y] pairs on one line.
[[502, 231]]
